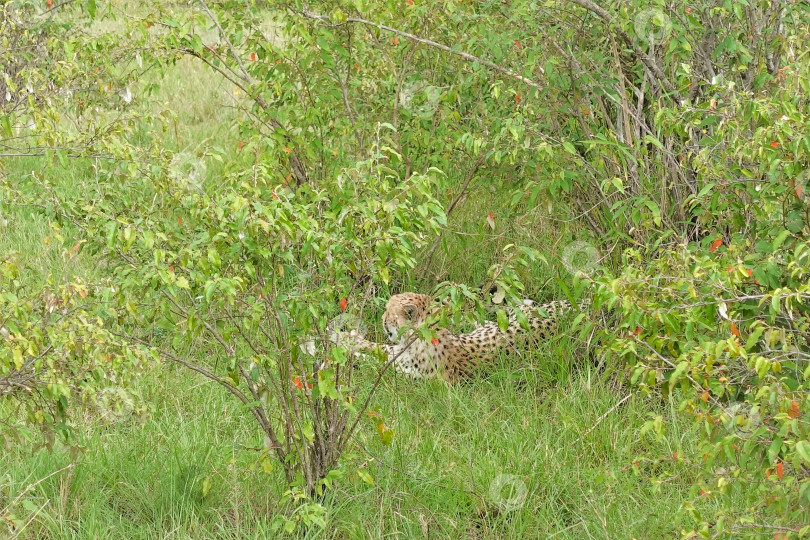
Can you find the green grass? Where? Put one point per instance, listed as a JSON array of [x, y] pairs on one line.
[[523, 422], [144, 479]]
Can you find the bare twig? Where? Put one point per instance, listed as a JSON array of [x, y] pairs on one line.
[[454, 202], [648, 61], [599, 420], [466, 56]]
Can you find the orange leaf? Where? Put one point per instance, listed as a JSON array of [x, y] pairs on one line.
[[704, 397], [287, 149], [735, 330], [793, 412], [297, 382], [780, 470], [239, 145], [517, 98], [716, 244], [518, 45], [343, 304], [253, 56], [774, 144], [799, 192], [435, 341], [491, 221]]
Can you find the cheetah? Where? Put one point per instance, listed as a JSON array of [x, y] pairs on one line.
[[453, 356]]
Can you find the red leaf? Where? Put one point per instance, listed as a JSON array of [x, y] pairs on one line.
[[793, 412], [716, 244], [239, 145], [287, 149], [410, 2], [799, 192], [253, 57], [750, 272], [297, 382], [517, 98], [780, 470], [774, 144], [491, 220], [50, 3], [435, 341], [179, 221], [343, 304], [518, 45], [735, 330]]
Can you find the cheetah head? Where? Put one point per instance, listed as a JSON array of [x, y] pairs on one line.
[[406, 309]]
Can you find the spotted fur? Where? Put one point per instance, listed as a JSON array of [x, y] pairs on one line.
[[454, 356]]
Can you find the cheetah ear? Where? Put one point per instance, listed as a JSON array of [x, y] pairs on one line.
[[410, 311]]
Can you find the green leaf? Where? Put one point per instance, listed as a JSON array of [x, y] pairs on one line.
[[91, 8], [5, 123], [569, 147], [365, 476], [803, 449], [773, 450], [503, 320], [780, 239]]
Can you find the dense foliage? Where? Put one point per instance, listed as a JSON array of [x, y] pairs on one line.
[[676, 136]]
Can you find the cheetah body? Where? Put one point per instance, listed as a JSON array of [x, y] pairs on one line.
[[454, 356]]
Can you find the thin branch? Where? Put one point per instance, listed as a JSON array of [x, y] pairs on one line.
[[454, 202], [599, 420], [648, 61], [466, 56]]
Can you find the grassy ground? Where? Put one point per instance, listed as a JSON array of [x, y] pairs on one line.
[[536, 448]]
